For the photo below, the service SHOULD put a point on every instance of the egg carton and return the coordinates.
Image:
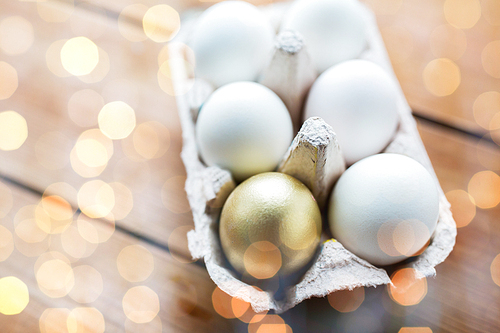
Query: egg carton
(314, 158)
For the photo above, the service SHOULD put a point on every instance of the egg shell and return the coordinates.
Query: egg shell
(333, 30)
(270, 224)
(244, 127)
(359, 100)
(232, 41)
(384, 208)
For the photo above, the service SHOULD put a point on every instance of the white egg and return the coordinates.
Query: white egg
(232, 41)
(384, 208)
(359, 100)
(244, 127)
(333, 30)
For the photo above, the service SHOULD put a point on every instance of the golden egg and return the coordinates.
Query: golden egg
(270, 224)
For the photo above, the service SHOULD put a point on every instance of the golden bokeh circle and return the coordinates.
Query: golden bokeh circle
(407, 288)
(54, 320)
(135, 263)
(16, 35)
(84, 106)
(14, 295)
(96, 199)
(441, 77)
(161, 23)
(495, 270)
(489, 58)
(116, 120)
(463, 207)
(347, 300)
(9, 81)
(484, 187)
(486, 108)
(13, 130)
(141, 304)
(79, 56)
(86, 320)
(462, 14)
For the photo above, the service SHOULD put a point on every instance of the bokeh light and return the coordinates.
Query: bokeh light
(55, 10)
(441, 77)
(407, 288)
(491, 11)
(484, 187)
(127, 26)
(96, 199)
(495, 270)
(88, 284)
(13, 130)
(54, 214)
(9, 82)
(100, 71)
(243, 310)
(16, 35)
(52, 150)
(161, 23)
(174, 196)
(415, 330)
(447, 41)
(14, 295)
(86, 320)
(26, 225)
(154, 326)
(222, 303)
(486, 108)
(124, 201)
(7, 200)
(54, 320)
(178, 241)
(6, 243)
(135, 263)
(79, 56)
(75, 245)
(489, 58)
(116, 120)
(55, 278)
(347, 300)
(151, 139)
(83, 163)
(462, 14)
(270, 324)
(84, 106)
(95, 231)
(141, 304)
(399, 237)
(463, 207)
(262, 260)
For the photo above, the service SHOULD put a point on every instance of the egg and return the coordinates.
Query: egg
(359, 100)
(232, 41)
(243, 127)
(333, 30)
(270, 224)
(384, 208)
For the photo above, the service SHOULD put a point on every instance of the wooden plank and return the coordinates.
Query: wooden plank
(102, 278)
(418, 32)
(42, 98)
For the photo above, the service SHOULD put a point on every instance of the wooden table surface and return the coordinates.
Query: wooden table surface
(93, 230)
